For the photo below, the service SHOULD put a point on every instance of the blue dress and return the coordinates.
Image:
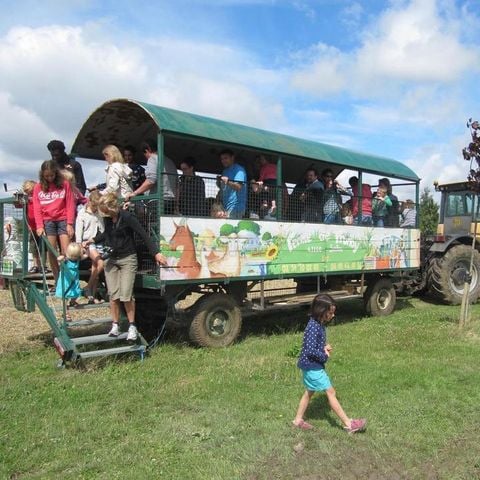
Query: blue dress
(68, 284)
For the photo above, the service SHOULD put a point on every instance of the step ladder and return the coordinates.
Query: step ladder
(71, 345)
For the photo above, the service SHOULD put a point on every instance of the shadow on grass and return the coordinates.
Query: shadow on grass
(260, 323)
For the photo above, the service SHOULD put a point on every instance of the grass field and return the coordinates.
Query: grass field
(226, 414)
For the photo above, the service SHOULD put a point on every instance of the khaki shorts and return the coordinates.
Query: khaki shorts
(120, 276)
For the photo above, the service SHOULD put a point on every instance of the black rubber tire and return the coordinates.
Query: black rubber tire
(380, 297)
(216, 322)
(446, 275)
(150, 316)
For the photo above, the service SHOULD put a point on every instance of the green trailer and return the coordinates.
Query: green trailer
(221, 269)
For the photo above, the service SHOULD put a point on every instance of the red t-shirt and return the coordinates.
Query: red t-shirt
(268, 172)
(55, 204)
(366, 200)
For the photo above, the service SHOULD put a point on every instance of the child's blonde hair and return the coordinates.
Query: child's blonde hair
(94, 198)
(28, 186)
(109, 201)
(217, 210)
(382, 190)
(115, 153)
(74, 251)
(68, 176)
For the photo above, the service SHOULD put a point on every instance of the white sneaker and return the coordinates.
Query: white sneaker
(132, 333)
(115, 330)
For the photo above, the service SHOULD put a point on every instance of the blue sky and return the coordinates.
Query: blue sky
(395, 78)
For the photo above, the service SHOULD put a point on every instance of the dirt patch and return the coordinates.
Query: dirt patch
(23, 331)
(20, 330)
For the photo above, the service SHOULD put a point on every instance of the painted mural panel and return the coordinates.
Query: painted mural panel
(215, 248)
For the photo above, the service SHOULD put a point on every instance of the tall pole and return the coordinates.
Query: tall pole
(471, 153)
(465, 307)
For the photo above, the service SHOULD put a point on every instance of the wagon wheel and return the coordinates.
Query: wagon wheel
(216, 322)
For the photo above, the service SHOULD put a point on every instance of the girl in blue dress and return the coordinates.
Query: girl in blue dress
(315, 353)
(68, 285)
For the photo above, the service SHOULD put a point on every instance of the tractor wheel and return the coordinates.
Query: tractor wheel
(217, 321)
(380, 297)
(447, 275)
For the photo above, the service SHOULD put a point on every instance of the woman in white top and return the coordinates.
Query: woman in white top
(119, 174)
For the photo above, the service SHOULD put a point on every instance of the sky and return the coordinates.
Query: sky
(394, 78)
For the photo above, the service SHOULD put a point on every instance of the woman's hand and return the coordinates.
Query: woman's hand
(40, 231)
(160, 259)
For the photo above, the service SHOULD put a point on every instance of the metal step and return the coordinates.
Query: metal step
(141, 349)
(88, 321)
(86, 306)
(90, 339)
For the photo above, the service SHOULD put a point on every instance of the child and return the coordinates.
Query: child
(88, 224)
(68, 285)
(118, 173)
(408, 214)
(315, 352)
(80, 198)
(346, 212)
(27, 188)
(217, 211)
(380, 205)
(54, 210)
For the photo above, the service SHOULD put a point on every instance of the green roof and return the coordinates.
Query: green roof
(129, 122)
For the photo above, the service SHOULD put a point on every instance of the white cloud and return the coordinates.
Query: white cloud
(54, 77)
(406, 45)
(352, 14)
(326, 75)
(415, 44)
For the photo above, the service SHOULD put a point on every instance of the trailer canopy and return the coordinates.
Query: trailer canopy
(127, 122)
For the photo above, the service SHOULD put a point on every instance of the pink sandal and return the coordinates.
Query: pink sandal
(303, 425)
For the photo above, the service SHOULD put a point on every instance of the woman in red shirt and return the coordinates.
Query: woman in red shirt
(54, 210)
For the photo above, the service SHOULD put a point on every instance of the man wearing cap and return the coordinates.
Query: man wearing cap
(57, 152)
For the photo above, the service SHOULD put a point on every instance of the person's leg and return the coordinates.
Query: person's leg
(336, 407)
(52, 239)
(97, 267)
(112, 275)
(128, 270)
(130, 310)
(115, 310)
(302, 406)
(64, 242)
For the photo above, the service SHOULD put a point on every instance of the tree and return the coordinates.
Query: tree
(428, 213)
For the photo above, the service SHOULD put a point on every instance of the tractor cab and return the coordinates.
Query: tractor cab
(457, 207)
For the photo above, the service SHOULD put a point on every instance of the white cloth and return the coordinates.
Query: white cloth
(87, 225)
(169, 180)
(119, 179)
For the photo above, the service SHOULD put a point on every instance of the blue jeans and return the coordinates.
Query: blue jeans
(365, 220)
(236, 214)
(330, 218)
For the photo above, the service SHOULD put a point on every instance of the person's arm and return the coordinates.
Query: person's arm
(80, 226)
(113, 180)
(146, 185)
(71, 208)
(238, 181)
(232, 184)
(388, 201)
(134, 224)
(37, 211)
(79, 177)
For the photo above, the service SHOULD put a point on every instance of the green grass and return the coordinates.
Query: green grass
(226, 414)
